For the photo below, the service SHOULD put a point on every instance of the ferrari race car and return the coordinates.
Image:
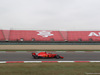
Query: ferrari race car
(45, 55)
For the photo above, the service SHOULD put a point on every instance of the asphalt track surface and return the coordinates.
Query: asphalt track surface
(68, 56)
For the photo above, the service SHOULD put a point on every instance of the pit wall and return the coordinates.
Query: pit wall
(49, 47)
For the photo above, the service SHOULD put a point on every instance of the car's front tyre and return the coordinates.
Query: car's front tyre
(57, 56)
(35, 57)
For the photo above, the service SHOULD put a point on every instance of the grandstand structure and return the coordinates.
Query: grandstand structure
(49, 36)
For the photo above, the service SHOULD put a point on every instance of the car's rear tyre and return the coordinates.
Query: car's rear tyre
(35, 57)
(57, 56)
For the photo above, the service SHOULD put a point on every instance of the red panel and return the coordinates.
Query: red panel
(6, 34)
(1, 36)
(18, 34)
(84, 35)
(47, 35)
(64, 35)
(37, 35)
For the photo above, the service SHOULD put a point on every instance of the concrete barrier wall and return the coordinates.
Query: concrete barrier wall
(50, 47)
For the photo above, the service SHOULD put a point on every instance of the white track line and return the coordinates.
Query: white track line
(49, 61)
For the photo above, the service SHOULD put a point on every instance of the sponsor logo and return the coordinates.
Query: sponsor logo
(45, 33)
(94, 34)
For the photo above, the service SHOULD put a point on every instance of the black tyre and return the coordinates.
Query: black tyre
(57, 56)
(35, 57)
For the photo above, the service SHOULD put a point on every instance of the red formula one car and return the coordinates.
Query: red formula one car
(45, 55)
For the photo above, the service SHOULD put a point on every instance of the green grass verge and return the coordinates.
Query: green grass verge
(49, 68)
(49, 50)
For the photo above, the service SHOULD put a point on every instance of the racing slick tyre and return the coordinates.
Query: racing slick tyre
(35, 57)
(57, 56)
